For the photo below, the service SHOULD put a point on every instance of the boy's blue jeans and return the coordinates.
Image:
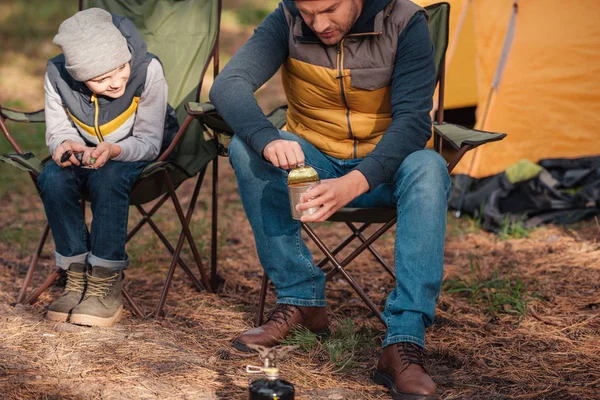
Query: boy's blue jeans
(419, 195)
(109, 187)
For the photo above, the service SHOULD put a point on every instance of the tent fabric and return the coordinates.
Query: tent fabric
(548, 95)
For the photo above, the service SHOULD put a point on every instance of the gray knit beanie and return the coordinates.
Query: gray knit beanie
(92, 44)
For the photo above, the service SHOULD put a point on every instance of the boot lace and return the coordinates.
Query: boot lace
(100, 287)
(282, 312)
(75, 282)
(410, 353)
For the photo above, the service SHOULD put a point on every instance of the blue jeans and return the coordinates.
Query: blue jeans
(109, 188)
(419, 194)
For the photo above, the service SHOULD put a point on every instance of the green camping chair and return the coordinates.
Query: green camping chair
(184, 35)
(458, 138)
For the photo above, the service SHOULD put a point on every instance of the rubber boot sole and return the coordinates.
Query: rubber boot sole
(92, 320)
(57, 316)
(387, 381)
(243, 347)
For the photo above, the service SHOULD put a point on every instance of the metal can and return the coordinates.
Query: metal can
(300, 180)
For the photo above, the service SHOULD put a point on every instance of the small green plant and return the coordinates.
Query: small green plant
(498, 293)
(341, 346)
(303, 338)
(512, 228)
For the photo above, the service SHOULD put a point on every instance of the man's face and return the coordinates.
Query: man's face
(330, 20)
(112, 84)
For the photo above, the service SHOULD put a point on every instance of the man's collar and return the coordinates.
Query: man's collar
(369, 21)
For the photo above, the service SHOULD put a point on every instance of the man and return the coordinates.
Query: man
(359, 77)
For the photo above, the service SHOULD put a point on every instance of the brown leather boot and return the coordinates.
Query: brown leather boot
(280, 322)
(400, 368)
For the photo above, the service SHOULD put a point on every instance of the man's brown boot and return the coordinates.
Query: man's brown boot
(102, 304)
(280, 322)
(400, 368)
(60, 309)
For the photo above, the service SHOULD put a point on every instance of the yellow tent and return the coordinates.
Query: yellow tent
(537, 78)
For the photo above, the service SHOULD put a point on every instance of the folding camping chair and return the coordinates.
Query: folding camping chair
(184, 35)
(460, 139)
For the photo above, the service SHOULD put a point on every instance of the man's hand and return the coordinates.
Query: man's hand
(101, 154)
(74, 147)
(285, 154)
(331, 195)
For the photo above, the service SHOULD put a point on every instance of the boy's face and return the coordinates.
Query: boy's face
(330, 20)
(112, 84)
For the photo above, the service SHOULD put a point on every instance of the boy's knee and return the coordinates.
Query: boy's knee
(53, 178)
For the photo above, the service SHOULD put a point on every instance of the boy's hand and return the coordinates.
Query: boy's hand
(68, 145)
(101, 154)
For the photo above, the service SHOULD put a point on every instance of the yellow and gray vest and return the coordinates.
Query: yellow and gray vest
(98, 118)
(339, 96)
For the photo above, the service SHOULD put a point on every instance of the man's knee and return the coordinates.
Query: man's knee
(428, 168)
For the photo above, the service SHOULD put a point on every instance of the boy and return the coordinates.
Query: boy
(106, 102)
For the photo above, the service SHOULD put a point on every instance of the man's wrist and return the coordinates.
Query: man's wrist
(358, 182)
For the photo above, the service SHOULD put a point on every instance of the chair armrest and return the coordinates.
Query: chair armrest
(17, 116)
(459, 136)
(25, 162)
(208, 114)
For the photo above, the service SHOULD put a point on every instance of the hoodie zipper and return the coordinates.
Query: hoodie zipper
(340, 77)
(94, 100)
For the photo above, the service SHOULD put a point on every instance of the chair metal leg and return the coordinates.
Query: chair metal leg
(169, 247)
(262, 300)
(339, 268)
(185, 221)
(214, 281)
(384, 228)
(34, 296)
(169, 278)
(182, 236)
(374, 252)
(343, 245)
(136, 308)
(34, 260)
(146, 216)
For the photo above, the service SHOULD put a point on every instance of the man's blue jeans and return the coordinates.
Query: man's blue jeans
(109, 188)
(419, 194)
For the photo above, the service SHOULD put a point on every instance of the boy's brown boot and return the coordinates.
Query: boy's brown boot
(102, 304)
(60, 309)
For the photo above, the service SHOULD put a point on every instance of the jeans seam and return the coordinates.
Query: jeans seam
(308, 263)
